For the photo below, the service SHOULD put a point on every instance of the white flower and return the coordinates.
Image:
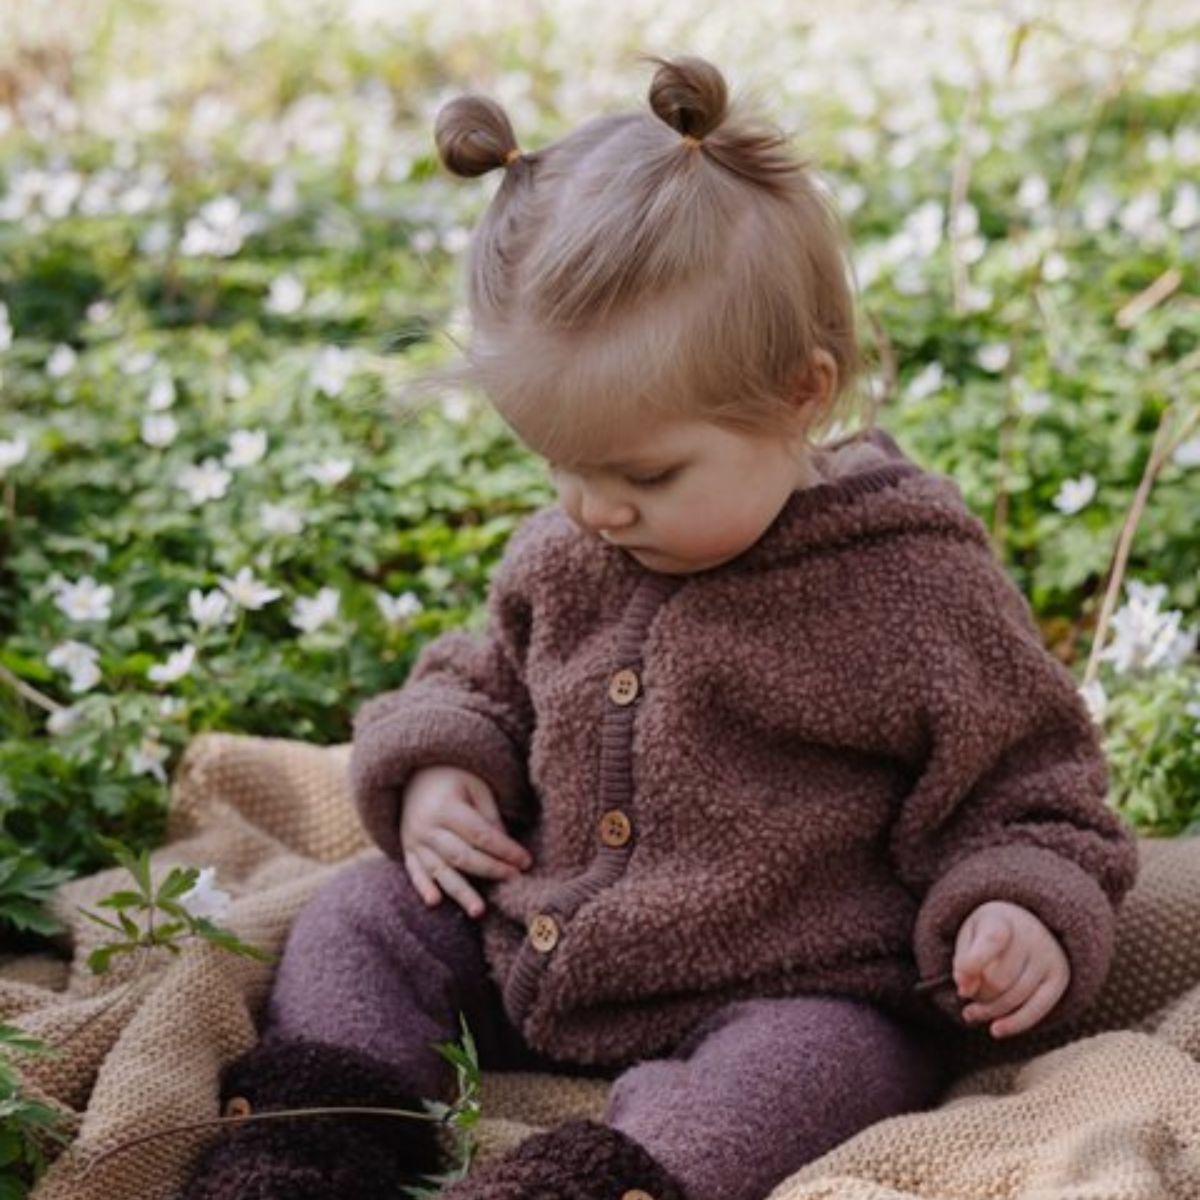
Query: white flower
(331, 370)
(1145, 638)
(61, 361)
(1075, 494)
(924, 226)
(176, 666)
(246, 591)
(162, 394)
(208, 481)
(159, 429)
(85, 600)
(396, 609)
(423, 241)
(99, 311)
(204, 899)
(1031, 401)
(456, 240)
(1033, 192)
(63, 720)
(237, 386)
(456, 407)
(6, 329)
(994, 356)
(1098, 210)
(246, 447)
(280, 519)
(140, 363)
(1186, 211)
(330, 471)
(148, 759)
(219, 228)
(1187, 454)
(310, 613)
(1140, 216)
(1055, 267)
(13, 452)
(209, 611)
(79, 661)
(287, 295)
(977, 299)
(926, 382)
(1096, 700)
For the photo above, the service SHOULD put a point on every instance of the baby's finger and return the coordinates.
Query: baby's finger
(425, 886)
(987, 942)
(455, 886)
(1010, 999)
(1039, 1004)
(481, 797)
(460, 854)
(475, 830)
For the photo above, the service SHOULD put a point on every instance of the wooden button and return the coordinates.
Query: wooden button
(636, 1194)
(623, 687)
(615, 828)
(237, 1106)
(543, 933)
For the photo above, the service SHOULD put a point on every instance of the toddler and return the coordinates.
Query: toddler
(758, 777)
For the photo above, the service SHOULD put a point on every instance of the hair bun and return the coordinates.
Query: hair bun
(473, 135)
(689, 94)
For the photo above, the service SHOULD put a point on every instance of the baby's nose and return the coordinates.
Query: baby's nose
(599, 514)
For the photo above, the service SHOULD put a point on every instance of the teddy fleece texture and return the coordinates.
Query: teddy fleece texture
(828, 751)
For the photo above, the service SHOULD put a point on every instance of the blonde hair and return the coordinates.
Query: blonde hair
(675, 263)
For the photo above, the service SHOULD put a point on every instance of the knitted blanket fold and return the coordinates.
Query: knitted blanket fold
(1106, 1107)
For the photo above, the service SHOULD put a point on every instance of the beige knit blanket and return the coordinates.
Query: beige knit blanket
(1109, 1110)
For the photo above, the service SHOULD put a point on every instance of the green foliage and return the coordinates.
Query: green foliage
(144, 902)
(25, 884)
(463, 1115)
(1154, 723)
(27, 1127)
(28, 1124)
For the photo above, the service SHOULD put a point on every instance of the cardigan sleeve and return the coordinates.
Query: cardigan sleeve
(1011, 801)
(464, 704)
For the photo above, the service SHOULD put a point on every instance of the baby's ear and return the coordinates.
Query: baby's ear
(817, 383)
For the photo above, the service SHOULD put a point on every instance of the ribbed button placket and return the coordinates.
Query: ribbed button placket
(549, 928)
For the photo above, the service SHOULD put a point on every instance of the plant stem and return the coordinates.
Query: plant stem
(268, 1116)
(1164, 446)
(31, 694)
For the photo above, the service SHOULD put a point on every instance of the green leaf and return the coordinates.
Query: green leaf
(178, 881)
(121, 900)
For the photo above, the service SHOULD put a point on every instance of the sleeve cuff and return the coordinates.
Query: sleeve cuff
(1064, 897)
(385, 753)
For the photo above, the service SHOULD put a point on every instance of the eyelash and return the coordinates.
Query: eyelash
(654, 479)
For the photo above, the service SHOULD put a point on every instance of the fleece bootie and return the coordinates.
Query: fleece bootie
(578, 1160)
(313, 1157)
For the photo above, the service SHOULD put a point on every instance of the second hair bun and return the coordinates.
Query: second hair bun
(689, 94)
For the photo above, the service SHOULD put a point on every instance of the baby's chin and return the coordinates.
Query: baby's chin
(670, 564)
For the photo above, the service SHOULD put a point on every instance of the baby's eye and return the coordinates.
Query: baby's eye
(652, 480)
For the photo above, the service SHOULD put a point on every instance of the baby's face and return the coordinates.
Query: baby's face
(683, 495)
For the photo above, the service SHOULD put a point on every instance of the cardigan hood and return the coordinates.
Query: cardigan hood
(797, 771)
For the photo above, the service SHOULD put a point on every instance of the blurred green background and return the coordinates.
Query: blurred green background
(225, 246)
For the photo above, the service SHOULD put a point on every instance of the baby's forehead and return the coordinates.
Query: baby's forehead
(630, 445)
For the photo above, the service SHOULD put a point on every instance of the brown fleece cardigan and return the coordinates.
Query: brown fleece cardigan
(798, 771)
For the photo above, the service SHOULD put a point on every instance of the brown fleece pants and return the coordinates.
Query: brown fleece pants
(752, 1093)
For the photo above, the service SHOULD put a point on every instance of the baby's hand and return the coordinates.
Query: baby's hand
(449, 826)
(1010, 965)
